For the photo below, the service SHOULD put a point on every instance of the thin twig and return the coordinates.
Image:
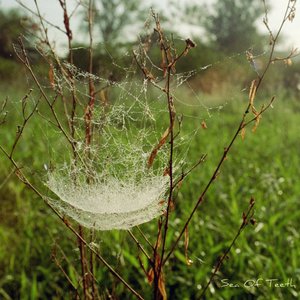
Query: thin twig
(144, 237)
(39, 16)
(246, 218)
(139, 245)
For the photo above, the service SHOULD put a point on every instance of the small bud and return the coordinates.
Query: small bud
(203, 125)
(190, 43)
(288, 62)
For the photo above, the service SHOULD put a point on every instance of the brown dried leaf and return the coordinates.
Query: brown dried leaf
(163, 63)
(291, 16)
(172, 205)
(166, 171)
(252, 92)
(203, 125)
(159, 239)
(162, 286)
(158, 146)
(161, 202)
(150, 276)
(243, 133)
(257, 120)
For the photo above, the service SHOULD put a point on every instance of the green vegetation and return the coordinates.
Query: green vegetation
(264, 165)
(40, 258)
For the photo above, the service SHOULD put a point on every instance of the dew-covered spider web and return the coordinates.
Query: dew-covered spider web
(109, 183)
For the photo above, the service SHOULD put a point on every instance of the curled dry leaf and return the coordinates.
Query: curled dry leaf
(163, 63)
(159, 237)
(161, 280)
(257, 120)
(162, 286)
(51, 76)
(167, 171)
(291, 16)
(243, 132)
(150, 276)
(158, 146)
(252, 93)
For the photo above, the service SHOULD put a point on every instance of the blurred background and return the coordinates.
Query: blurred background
(216, 76)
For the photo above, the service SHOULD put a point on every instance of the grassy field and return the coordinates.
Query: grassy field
(265, 166)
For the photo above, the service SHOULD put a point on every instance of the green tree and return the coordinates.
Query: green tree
(12, 25)
(116, 25)
(10, 29)
(114, 19)
(232, 24)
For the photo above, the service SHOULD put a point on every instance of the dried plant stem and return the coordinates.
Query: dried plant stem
(67, 75)
(171, 120)
(25, 120)
(95, 294)
(83, 263)
(140, 246)
(90, 107)
(144, 237)
(27, 64)
(39, 16)
(169, 59)
(65, 274)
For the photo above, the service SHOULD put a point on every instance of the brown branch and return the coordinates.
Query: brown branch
(88, 114)
(140, 246)
(186, 173)
(58, 264)
(27, 64)
(39, 16)
(67, 75)
(144, 237)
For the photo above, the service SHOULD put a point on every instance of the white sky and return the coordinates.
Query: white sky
(51, 10)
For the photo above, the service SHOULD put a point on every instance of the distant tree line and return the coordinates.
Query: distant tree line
(228, 26)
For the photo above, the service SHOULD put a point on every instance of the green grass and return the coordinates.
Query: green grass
(265, 166)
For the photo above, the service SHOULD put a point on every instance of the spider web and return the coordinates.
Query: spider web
(113, 187)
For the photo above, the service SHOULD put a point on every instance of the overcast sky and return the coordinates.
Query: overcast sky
(52, 11)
